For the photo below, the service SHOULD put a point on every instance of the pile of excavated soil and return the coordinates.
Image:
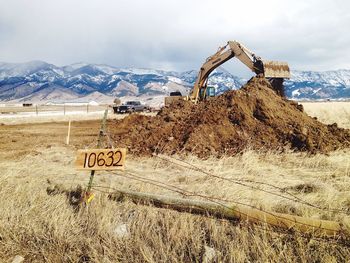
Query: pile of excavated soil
(253, 117)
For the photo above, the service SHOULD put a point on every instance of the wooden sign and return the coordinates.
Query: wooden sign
(100, 159)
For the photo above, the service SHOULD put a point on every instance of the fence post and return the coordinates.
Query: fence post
(68, 135)
(36, 109)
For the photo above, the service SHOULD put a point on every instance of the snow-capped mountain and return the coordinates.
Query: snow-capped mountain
(319, 85)
(39, 81)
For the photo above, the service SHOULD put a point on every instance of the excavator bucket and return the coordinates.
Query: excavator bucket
(276, 69)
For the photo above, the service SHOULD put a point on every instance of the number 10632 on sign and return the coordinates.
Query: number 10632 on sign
(100, 159)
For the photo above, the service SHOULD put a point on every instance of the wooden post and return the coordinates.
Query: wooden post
(68, 135)
(316, 227)
(64, 109)
(36, 109)
(87, 108)
(99, 141)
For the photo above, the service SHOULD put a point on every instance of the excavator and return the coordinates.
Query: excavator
(274, 71)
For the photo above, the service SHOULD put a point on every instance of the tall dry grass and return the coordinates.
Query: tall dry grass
(46, 228)
(330, 112)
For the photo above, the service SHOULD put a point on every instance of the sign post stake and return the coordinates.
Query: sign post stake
(99, 142)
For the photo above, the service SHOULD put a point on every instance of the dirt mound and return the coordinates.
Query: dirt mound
(254, 117)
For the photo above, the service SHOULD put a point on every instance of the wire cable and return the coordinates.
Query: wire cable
(239, 182)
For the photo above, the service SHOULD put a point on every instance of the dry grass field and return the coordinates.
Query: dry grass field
(46, 228)
(330, 112)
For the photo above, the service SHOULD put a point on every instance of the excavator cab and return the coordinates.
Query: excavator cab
(208, 92)
(211, 92)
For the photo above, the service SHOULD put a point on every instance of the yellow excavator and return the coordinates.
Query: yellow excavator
(274, 71)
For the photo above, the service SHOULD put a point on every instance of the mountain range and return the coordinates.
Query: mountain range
(38, 81)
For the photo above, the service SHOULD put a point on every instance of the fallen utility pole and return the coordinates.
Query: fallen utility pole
(315, 227)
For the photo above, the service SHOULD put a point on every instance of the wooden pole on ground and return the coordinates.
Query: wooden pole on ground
(68, 135)
(316, 227)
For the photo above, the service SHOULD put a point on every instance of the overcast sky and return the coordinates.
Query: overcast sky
(175, 34)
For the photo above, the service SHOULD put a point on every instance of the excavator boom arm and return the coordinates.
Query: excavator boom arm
(212, 63)
(270, 69)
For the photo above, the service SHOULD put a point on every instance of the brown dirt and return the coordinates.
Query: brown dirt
(17, 141)
(253, 117)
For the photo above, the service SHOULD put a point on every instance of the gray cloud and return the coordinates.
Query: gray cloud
(175, 35)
